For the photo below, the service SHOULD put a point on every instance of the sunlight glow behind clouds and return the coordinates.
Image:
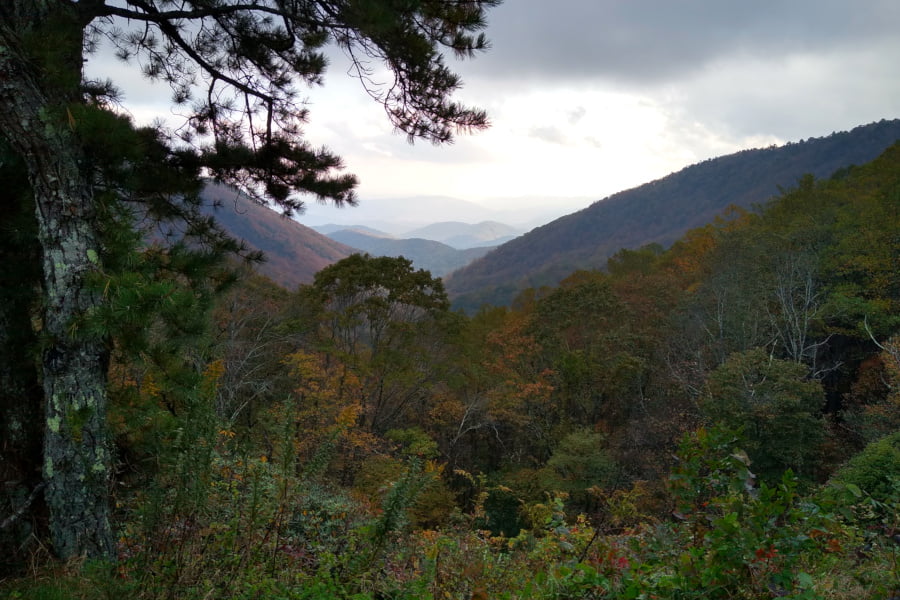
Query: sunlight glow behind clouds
(590, 97)
(563, 142)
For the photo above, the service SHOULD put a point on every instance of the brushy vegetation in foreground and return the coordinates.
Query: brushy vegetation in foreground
(250, 528)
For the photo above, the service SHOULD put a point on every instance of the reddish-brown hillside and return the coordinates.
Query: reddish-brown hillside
(293, 252)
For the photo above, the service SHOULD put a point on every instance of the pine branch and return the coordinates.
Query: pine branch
(159, 16)
(171, 32)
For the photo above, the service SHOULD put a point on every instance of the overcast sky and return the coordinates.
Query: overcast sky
(589, 97)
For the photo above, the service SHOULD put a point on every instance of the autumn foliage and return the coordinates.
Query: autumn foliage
(676, 426)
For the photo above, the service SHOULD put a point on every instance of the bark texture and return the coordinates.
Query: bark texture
(37, 123)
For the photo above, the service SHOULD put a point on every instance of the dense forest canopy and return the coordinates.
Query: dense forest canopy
(678, 424)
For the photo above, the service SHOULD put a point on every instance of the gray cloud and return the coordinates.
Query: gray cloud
(647, 41)
(808, 96)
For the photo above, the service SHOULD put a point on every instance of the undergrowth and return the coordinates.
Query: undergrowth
(268, 529)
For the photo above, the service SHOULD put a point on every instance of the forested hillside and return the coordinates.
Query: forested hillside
(659, 212)
(292, 252)
(714, 420)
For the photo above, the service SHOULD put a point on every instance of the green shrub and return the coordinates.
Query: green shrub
(874, 470)
(579, 463)
(731, 539)
(775, 406)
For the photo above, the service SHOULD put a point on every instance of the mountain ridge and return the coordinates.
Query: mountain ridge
(658, 212)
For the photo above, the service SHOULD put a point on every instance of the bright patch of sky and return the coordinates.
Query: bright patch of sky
(590, 97)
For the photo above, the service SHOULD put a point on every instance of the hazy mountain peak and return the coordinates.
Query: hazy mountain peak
(362, 229)
(464, 235)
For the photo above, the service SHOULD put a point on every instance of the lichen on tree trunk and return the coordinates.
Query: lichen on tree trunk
(76, 461)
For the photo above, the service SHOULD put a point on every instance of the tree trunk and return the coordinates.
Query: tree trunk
(36, 123)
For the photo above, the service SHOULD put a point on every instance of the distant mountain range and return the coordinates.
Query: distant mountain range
(456, 234)
(463, 235)
(402, 216)
(294, 253)
(333, 227)
(660, 211)
(433, 256)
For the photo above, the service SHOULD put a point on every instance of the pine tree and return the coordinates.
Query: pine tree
(235, 64)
